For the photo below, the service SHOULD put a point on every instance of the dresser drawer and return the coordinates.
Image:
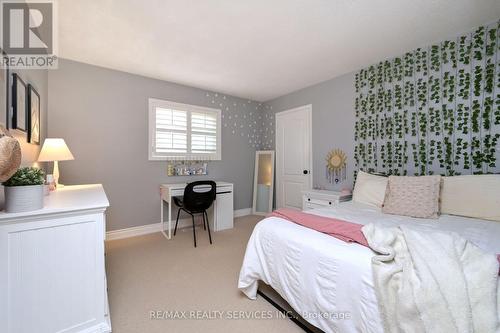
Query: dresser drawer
(320, 199)
(310, 203)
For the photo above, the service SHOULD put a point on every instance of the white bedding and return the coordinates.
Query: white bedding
(327, 281)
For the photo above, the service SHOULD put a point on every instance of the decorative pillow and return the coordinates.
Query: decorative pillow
(413, 196)
(369, 189)
(475, 196)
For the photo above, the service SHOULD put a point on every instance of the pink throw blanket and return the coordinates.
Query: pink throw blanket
(343, 230)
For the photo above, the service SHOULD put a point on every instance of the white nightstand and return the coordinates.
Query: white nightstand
(322, 198)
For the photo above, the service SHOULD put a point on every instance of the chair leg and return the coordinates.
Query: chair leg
(204, 223)
(194, 232)
(177, 221)
(208, 225)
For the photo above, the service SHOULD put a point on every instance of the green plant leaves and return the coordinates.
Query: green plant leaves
(432, 110)
(25, 177)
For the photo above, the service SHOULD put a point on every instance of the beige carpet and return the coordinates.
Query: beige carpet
(150, 273)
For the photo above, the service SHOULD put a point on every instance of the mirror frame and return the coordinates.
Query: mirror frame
(271, 190)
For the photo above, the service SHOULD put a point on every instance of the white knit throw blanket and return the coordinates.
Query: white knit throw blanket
(433, 281)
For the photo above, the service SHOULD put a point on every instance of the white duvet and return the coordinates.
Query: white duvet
(327, 281)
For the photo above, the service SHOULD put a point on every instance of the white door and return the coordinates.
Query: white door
(293, 156)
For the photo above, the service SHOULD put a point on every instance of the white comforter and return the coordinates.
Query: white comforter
(329, 282)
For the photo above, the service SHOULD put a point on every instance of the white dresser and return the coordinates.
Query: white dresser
(322, 198)
(52, 274)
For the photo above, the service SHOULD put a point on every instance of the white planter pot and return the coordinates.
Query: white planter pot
(23, 198)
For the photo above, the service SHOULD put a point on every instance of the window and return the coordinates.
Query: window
(182, 131)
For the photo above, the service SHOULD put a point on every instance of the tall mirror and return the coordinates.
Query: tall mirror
(263, 185)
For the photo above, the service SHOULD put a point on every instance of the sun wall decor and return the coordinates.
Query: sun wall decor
(336, 166)
(434, 110)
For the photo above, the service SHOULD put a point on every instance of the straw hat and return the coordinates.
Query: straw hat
(10, 155)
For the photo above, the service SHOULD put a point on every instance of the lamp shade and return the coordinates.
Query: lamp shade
(55, 150)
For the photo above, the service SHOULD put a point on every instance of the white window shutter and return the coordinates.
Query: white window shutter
(203, 132)
(171, 131)
(181, 131)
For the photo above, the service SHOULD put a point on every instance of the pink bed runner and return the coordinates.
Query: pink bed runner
(343, 230)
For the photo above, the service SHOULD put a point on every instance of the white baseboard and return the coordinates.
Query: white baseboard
(156, 227)
(243, 212)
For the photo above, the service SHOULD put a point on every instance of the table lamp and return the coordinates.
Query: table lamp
(55, 150)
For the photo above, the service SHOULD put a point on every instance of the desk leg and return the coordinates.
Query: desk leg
(170, 218)
(169, 236)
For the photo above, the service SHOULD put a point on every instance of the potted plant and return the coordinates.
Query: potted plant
(24, 190)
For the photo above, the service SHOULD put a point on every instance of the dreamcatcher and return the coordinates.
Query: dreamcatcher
(336, 166)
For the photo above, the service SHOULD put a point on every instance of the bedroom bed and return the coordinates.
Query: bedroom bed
(327, 281)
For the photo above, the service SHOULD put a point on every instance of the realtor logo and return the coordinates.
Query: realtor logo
(27, 34)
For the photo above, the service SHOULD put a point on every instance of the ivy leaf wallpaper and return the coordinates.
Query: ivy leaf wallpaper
(435, 110)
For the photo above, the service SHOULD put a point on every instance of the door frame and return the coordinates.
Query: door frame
(278, 115)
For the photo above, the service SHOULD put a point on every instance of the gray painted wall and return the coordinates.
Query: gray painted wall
(332, 123)
(38, 78)
(103, 116)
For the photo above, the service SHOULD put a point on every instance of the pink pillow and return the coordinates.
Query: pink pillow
(413, 196)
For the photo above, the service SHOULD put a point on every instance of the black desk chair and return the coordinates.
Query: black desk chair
(197, 201)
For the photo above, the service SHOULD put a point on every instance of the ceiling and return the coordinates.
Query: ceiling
(256, 49)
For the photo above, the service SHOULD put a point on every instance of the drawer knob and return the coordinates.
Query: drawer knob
(308, 199)
(330, 203)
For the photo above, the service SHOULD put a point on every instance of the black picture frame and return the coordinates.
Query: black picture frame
(19, 106)
(33, 107)
(5, 118)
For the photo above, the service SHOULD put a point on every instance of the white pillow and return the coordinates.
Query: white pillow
(369, 189)
(475, 196)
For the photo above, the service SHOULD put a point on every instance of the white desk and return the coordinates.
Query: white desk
(220, 215)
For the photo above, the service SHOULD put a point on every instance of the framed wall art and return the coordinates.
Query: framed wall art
(4, 96)
(33, 115)
(19, 114)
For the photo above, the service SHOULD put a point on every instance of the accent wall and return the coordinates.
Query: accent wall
(434, 110)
